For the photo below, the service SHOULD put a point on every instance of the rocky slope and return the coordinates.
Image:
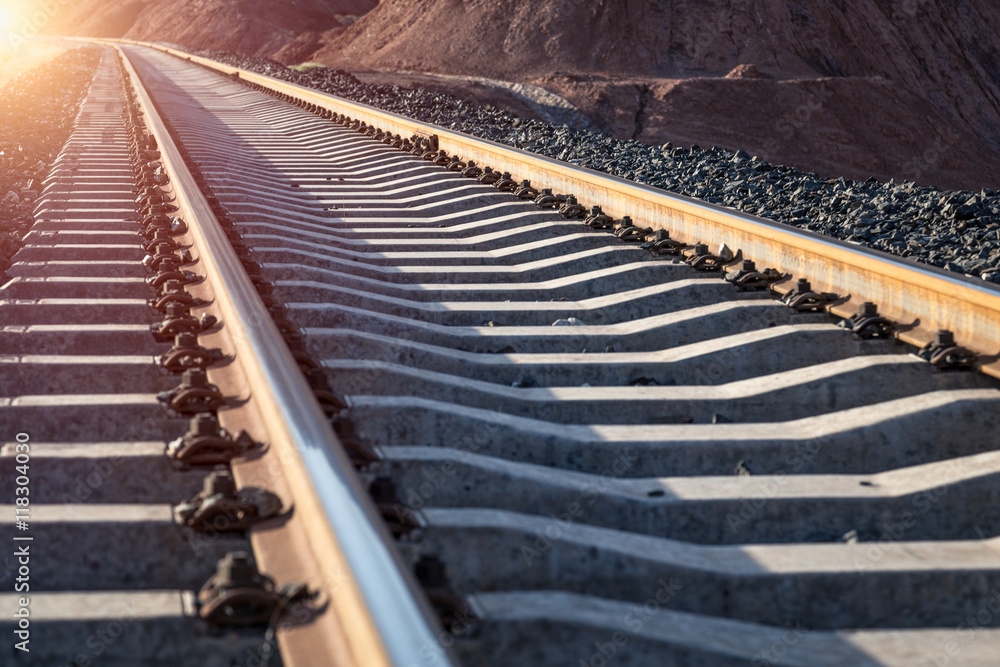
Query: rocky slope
(893, 88)
(904, 89)
(253, 27)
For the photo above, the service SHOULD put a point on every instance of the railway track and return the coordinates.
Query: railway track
(495, 432)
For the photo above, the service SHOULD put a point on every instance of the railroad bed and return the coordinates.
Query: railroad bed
(109, 571)
(587, 453)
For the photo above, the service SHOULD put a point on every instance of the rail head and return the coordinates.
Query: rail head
(378, 614)
(922, 299)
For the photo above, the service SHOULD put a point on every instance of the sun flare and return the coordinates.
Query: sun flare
(22, 42)
(9, 13)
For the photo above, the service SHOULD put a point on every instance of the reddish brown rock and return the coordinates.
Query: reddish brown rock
(746, 72)
(891, 88)
(905, 89)
(251, 27)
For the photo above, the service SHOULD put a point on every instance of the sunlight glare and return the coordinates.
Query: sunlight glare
(8, 16)
(22, 47)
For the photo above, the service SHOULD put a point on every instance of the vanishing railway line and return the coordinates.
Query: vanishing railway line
(466, 423)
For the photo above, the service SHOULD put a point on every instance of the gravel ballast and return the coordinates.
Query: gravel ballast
(955, 230)
(37, 110)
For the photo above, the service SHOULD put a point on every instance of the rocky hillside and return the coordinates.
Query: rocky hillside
(904, 89)
(252, 27)
(893, 88)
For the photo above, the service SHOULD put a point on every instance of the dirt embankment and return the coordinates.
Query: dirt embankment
(905, 89)
(252, 27)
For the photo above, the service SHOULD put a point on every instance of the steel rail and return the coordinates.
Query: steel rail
(383, 616)
(922, 299)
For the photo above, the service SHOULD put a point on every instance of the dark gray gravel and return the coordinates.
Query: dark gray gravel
(959, 231)
(37, 110)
